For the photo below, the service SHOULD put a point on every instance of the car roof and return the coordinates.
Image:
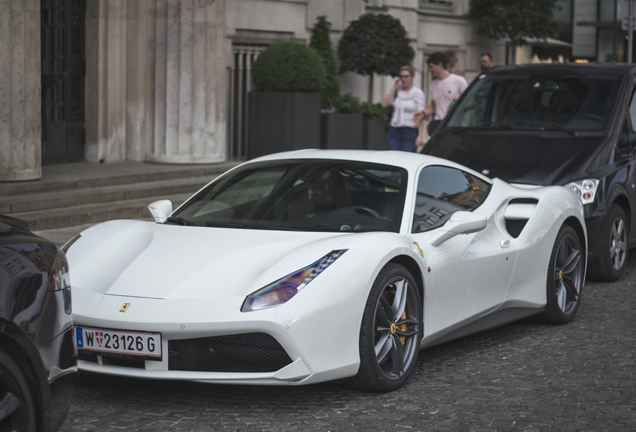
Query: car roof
(407, 160)
(578, 68)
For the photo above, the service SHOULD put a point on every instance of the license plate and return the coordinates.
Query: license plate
(140, 344)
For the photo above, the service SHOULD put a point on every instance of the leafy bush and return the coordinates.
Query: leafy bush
(321, 42)
(376, 111)
(288, 67)
(348, 104)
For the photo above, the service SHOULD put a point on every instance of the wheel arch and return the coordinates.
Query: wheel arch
(411, 265)
(623, 202)
(580, 231)
(27, 359)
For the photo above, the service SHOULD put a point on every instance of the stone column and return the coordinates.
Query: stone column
(156, 81)
(190, 84)
(106, 70)
(20, 90)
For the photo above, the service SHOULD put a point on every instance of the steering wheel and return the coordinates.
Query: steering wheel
(366, 211)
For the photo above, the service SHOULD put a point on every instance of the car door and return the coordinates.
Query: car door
(626, 149)
(470, 272)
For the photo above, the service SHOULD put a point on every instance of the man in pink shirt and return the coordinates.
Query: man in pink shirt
(445, 89)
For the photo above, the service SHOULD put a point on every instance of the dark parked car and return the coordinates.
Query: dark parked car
(567, 124)
(38, 359)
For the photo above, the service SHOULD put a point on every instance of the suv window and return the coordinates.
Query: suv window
(541, 101)
(441, 191)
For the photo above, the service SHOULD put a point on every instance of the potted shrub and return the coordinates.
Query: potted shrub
(341, 121)
(284, 109)
(376, 120)
(343, 129)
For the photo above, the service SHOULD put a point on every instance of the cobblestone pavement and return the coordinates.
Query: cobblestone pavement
(519, 377)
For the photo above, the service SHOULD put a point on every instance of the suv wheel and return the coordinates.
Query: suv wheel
(610, 262)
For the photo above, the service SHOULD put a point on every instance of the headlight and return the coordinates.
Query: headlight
(284, 289)
(584, 189)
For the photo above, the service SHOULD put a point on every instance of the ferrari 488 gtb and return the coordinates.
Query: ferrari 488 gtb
(315, 265)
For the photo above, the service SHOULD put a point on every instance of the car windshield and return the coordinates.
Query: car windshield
(303, 195)
(543, 101)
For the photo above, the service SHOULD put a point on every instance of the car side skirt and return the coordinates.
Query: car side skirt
(495, 319)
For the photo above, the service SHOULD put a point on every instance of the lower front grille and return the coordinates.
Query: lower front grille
(250, 352)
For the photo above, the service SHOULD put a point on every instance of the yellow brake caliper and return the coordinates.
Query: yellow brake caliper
(402, 328)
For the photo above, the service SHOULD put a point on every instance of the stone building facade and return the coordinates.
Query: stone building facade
(165, 80)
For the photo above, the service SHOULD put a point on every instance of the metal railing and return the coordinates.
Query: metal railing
(239, 86)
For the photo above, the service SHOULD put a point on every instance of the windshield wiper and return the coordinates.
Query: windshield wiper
(541, 125)
(230, 224)
(180, 221)
(561, 128)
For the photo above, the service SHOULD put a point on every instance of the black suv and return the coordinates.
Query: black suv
(556, 124)
(38, 358)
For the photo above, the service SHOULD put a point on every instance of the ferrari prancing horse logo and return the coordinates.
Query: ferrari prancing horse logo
(124, 308)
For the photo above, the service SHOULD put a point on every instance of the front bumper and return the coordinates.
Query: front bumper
(318, 334)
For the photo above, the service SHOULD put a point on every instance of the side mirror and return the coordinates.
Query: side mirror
(160, 210)
(460, 222)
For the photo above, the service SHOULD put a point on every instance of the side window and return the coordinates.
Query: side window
(632, 112)
(441, 191)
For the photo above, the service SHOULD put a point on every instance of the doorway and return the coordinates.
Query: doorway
(63, 71)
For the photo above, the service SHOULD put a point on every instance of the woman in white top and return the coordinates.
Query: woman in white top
(406, 100)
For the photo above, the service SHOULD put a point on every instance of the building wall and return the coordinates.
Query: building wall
(20, 90)
(156, 70)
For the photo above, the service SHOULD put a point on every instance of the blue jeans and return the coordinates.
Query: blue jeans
(402, 138)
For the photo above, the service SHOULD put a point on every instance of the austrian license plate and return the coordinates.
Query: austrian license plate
(141, 344)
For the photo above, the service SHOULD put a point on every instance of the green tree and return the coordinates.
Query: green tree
(374, 44)
(514, 19)
(321, 42)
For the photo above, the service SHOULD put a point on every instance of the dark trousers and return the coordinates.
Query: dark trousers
(402, 138)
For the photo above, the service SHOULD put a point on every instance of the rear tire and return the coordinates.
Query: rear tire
(17, 410)
(565, 278)
(390, 333)
(613, 249)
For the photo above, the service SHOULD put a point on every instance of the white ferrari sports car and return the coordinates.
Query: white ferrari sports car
(312, 265)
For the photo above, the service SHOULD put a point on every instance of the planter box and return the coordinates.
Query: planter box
(341, 131)
(282, 121)
(375, 136)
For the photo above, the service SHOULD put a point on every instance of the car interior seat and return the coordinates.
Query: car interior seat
(320, 196)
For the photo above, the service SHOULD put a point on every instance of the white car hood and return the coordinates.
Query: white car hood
(148, 260)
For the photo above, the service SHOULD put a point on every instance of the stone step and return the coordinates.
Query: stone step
(83, 193)
(81, 197)
(58, 178)
(95, 213)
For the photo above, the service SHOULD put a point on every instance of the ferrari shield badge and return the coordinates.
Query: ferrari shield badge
(419, 249)
(124, 308)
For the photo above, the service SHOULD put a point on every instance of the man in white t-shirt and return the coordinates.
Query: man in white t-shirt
(445, 89)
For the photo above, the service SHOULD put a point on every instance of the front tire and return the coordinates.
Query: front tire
(613, 249)
(17, 410)
(390, 333)
(565, 278)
